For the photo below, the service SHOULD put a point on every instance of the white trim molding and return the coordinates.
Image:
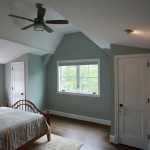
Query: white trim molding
(113, 139)
(79, 117)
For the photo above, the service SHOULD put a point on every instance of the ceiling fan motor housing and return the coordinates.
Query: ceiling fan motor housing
(39, 24)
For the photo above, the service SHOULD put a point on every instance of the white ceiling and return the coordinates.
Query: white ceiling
(103, 21)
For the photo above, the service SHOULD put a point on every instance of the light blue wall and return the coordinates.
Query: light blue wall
(78, 46)
(37, 76)
(41, 79)
(2, 84)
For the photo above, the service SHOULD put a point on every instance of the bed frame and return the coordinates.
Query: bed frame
(27, 105)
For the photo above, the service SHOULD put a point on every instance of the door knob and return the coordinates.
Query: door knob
(21, 93)
(121, 105)
(121, 109)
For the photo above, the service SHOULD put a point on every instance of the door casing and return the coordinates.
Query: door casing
(116, 93)
(12, 64)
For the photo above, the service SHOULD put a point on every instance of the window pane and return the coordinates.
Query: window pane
(84, 71)
(89, 85)
(84, 84)
(68, 71)
(65, 84)
(65, 71)
(88, 70)
(68, 84)
(93, 85)
(73, 84)
(93, 70)
(89, 78)
(68, 78)
(73, 71)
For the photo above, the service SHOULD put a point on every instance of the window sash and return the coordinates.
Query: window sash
(78, 63)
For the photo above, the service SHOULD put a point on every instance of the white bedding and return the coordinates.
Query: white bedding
(18, 127)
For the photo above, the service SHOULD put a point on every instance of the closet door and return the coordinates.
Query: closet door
(133, 101)
(18, 81)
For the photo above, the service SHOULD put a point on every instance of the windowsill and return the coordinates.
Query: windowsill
(78, 94)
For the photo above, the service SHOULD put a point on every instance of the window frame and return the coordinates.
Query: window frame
(78, 61)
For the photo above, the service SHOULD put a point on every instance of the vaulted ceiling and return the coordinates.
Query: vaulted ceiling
(103, 21)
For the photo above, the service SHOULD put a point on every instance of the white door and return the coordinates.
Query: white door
(133, 101)
(18, 81)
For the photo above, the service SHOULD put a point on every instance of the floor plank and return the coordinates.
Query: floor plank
(93, 136)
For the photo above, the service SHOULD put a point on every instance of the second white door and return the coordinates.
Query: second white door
(133, 104)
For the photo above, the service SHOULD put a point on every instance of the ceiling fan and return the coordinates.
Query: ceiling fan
(39, 23)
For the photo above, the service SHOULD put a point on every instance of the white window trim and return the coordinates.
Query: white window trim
(77, 93)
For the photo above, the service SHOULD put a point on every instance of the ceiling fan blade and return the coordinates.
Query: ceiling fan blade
(41, 12)
(29, 26)
(57, 21)
(20, 17)
(48, 29)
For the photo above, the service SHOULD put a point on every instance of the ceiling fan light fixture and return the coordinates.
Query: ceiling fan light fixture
(39, 27)
(128, 31)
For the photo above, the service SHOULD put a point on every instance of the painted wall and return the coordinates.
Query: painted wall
(41, 79)
(37, 76)
(2, 84)
(78, 46)
(24, 59)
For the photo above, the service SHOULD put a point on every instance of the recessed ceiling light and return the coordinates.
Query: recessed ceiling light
(128, 31)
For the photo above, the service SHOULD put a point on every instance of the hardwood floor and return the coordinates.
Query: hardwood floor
(93, 136)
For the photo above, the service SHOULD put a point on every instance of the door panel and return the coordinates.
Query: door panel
(18, 82)
(131, 119)
(133, 123)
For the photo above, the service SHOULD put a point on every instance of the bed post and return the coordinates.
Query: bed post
(48, 121)
(6, 104)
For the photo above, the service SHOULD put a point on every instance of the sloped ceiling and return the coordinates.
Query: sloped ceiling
(103, 21)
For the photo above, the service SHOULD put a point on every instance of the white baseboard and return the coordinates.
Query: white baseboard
(79, 117)
(113, 139)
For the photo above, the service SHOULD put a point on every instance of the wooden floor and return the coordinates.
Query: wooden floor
(93, 136)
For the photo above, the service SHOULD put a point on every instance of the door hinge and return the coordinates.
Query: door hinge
(12, 88)
(148, 137)
(147, 64)
(12, 68)
(148, 100)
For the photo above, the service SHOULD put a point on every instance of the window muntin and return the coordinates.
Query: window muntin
(79, 77)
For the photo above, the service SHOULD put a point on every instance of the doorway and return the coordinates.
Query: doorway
(17, 82)
(131, 100)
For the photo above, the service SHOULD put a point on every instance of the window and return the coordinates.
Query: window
(79, 77)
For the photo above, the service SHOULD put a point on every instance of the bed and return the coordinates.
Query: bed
(19, 126)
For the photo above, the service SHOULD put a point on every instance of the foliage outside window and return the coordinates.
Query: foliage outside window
(79, 77)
